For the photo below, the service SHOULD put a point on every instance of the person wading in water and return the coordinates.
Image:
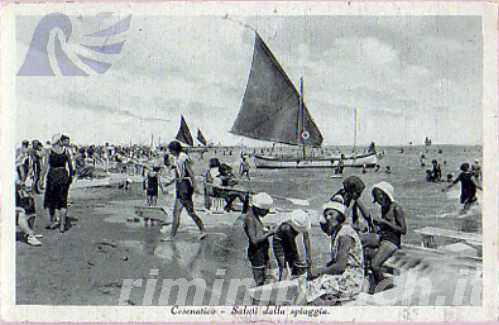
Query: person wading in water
(185, 185)
(468, 187)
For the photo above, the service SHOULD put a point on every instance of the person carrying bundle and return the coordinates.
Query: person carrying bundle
(228, 179)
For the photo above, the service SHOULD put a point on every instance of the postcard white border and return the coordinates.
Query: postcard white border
(488, 12)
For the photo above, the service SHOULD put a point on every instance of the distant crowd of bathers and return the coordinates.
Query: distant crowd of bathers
(50, 168)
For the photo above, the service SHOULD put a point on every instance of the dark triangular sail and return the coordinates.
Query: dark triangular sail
(271, 104)
(184, 134)
(201, 138)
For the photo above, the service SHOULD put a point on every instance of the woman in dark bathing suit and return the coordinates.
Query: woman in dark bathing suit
(391, 225)
(59, 178)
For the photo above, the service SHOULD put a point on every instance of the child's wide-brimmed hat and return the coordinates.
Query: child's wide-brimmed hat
(386, 188)
(332, 205)
(300, 221)
(262, 201)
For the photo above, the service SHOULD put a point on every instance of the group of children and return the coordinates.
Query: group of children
(360, 243)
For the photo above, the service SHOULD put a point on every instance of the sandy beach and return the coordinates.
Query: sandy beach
(89, 263)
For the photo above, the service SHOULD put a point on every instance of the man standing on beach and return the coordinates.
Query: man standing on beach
(185, 185)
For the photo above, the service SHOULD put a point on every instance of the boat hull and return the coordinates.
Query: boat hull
(91, 183)
(369, 160)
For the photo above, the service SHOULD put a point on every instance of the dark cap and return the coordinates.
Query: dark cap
(175, 146)
(353, 184)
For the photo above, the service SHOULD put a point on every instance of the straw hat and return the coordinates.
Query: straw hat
(262, 201)
(300, 221)
(386, 188)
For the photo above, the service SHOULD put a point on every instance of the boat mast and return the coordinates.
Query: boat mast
(300, 120)
(354, 150)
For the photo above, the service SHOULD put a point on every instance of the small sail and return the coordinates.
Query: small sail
(201, 138)
(271, 104)
(184, 134)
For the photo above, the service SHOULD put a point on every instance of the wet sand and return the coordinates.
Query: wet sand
(88, 263)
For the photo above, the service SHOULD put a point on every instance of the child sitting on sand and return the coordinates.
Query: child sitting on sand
(25, 202)
(341, 278)
(391, 224)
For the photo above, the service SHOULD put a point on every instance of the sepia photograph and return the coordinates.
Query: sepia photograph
(251, 164)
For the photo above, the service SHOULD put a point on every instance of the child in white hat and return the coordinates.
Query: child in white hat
(392, 226)
(258, 236)
(284, 243)
(343, 276)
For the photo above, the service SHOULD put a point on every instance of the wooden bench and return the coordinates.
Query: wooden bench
(218, 202)
(429, 234)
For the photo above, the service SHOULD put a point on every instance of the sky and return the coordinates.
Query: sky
(408, 77)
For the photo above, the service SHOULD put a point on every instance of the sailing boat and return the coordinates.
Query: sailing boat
(184, 134)
(200, 137)
(273, 110)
